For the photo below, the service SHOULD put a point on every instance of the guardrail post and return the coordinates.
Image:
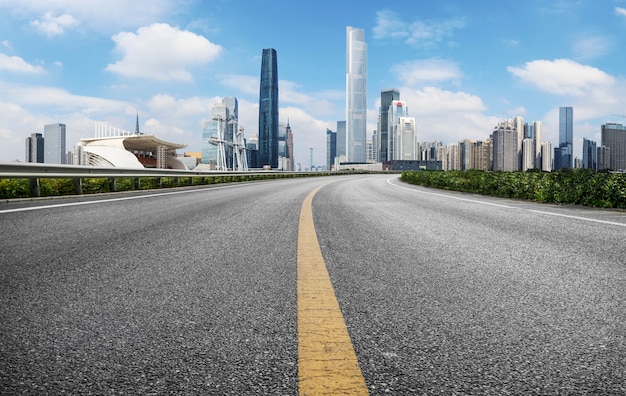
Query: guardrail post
(159, 182)
(33, 186)
(112, 184)
(78, 186)
(137, 183)
(177, 181)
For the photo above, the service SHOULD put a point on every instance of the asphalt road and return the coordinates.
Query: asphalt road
(194, 292)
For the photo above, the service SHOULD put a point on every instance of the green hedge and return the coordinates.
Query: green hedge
(19, 188)
(567, 186)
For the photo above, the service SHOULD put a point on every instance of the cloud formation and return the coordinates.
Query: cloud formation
(417, 72)
(620, 11)
(52, 25)
(563, 77)
(389, 25)
(19, 65)
(592, 47)
(161, 52)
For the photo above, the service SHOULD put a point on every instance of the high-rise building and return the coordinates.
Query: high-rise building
(34, 148)
(331, 148)
(268, 109)
(356, 95)
(505, 152)
(614, 138)
(546, 156)
(603, 157)
(213, 142)
(407, 147)
(375, 147)
(285, 147)
(289, 139)
(54, 147)
(518, 123)
(397, 109)
(386, 97)
(537, 126)
(528, 154)
(563, 155)
(590, 154)
(466, 157)
(341, 141)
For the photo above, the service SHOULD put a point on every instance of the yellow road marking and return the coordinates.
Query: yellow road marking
(327, 364)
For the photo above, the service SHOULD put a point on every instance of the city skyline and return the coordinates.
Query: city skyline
(67, 62)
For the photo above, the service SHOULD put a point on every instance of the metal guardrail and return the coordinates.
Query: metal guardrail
(35, 171)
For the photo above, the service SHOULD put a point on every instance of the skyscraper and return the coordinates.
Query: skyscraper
(537, 138)
(341, 140)
(231, 126)
(386, 97)
(331, 148)
(268, 109)
(505, 152)
(397, 109)
(614, 139)
(406, 139)
(590, 153)
(34, 148)
(563, 157)
(54, 147)
(356, 98)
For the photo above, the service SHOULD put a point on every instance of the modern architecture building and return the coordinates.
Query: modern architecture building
(505, 151)
(546, 156)
(356, 95)
(268, 109)
(386, 97)
(406, 145)
(528, 154)
(537, 132)
(231, 127)
(603, 157)
(614, 138)
(397, 110)
(54, 147)
(34, 150)
(341, 142)
(563, 155)
(375, 157)
(590, 154)
(331, 148)
(518, 123)
(213, 140)
(285, 147)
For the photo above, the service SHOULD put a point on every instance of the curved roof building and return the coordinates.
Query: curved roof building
(131, 151)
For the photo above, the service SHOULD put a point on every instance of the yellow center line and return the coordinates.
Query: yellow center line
(327, 364)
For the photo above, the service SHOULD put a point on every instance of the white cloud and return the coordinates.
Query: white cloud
(389, 25)
(96, 15)
(17, 64)
(245, 84)
(563, 77)
(416, 72)
(6, 44)
(620, 11)
(448, 116)
(161, 52)
(52, 26)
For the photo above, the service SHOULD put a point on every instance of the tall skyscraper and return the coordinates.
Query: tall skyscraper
(590, 154)
(614, 139)
(505, 152)
(397, 109)
(54, 147)
(563, 157)
(268, 109)
(518, 123)
(341, 140)
(356, 98)
(34, 148)
(386, 97)
(331, 148)
(406, 139)
(537, 125)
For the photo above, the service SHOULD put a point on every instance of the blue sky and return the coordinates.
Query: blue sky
(461, 66)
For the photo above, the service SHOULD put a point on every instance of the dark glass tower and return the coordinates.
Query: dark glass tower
(268, 110)
(386, 97)
(563, 157)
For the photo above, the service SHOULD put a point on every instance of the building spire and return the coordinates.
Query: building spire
(137, 124)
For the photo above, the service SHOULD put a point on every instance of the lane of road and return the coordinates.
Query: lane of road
(196, 291)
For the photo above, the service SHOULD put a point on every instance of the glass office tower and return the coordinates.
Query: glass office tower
(386, 97)
(563, 157)
(34, 148)
(54, 146)
(356, 98)
(268, 110)
(614, 139)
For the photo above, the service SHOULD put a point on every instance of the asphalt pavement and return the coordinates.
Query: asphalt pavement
(193, 291)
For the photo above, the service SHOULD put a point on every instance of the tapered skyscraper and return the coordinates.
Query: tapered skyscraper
(356, 100)
(268, 110)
